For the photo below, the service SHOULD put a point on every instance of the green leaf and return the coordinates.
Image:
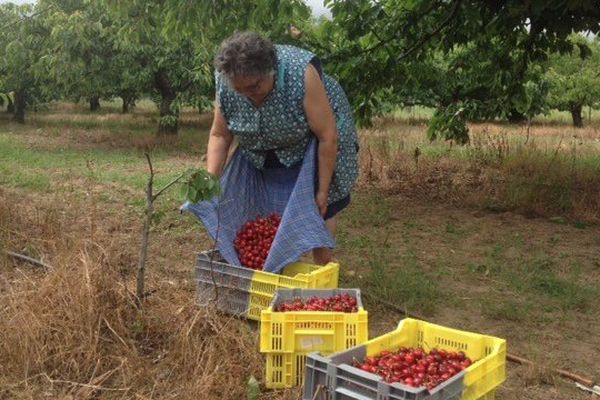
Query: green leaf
(253, 389)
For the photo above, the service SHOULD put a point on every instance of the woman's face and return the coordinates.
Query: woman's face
(256, 88)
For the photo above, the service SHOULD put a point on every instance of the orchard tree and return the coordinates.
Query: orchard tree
(175, 42)
(382, 43)
(575, 78)
(81, 61)
(84, 61)
(23, 42)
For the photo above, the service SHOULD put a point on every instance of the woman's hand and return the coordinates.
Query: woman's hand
(321, 200)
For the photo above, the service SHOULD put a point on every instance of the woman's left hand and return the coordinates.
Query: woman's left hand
(321, 200)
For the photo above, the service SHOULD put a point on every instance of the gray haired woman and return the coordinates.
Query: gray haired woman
(275, 99)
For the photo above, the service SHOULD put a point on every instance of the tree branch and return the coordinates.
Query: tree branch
(30, 260)
(420, 43)
(429, 36)
(145, 234)
(168, 185)
(150, 166)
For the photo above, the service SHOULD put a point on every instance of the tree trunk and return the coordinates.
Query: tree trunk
(128, 103)
(515, 117)
(125, 107)
(94, 103)
(19, 106)
(576, 114)
(169, 118)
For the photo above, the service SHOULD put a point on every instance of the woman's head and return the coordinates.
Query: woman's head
(248, 61)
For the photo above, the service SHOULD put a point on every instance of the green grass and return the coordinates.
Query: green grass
(45, 170)
(27, 179)
(368, 209)
(401, 280)
(345, 239)
(454, 230)
(507, 310)
(535, 278)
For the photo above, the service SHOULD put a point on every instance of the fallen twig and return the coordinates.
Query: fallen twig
(85, 385)
(30, 260)
(565, 374)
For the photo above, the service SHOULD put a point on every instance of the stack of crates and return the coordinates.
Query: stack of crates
(288, 337)
(245, 292)
(337, 376)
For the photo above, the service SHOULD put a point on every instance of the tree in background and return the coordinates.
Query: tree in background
(575, 78)
(175, 42)
(87, 60)
(383, 42)
(23, 43)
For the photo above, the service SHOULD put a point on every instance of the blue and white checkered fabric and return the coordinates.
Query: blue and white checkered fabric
(249, 192)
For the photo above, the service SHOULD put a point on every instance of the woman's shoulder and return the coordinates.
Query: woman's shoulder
(293, 55)
(332, 86)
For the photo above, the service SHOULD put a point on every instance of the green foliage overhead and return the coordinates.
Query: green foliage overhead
(449, 123)
(209, 22)
(436, 51)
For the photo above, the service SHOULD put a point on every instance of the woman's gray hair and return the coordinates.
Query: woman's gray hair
(246, 54)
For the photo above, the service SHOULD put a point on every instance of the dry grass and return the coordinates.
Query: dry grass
(555, 172)
(74, 331)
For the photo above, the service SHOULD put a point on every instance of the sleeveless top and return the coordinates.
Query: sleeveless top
(280, 123)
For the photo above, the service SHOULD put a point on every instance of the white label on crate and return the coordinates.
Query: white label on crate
(311, 342)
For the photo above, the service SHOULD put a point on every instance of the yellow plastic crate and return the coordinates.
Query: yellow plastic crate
(296, 275)
(308, 331)
(481, 378)
(245, 292)
(488, 396)
(287, 337)
(285, 370)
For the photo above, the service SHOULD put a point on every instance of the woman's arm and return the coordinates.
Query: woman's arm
(218, 144)
(322, 123)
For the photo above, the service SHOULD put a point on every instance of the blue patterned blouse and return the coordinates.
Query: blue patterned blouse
(280, 123)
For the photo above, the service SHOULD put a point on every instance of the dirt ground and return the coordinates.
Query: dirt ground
(532, 281)
(570, 341)
(558, 341)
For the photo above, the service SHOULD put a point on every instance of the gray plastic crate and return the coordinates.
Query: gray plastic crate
(334, 378)
(283, 295)
(233, 284)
